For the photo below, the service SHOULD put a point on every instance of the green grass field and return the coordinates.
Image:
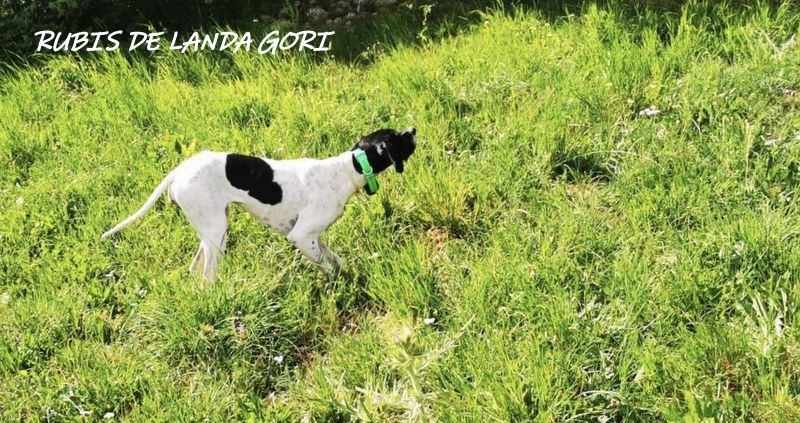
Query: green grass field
(583, 260)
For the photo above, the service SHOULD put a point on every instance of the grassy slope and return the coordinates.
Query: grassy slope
(579, 259)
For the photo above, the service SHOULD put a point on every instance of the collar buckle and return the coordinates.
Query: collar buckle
(366, 169)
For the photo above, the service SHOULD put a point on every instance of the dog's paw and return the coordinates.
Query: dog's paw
(327, 266)
(340, 263)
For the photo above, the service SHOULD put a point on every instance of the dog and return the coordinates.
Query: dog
(298, 198)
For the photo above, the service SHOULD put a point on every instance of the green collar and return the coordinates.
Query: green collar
(366, 169)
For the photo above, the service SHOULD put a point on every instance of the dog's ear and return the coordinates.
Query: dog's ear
(412, 130)
(398, 165)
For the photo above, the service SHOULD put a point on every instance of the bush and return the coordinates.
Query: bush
(20, 19)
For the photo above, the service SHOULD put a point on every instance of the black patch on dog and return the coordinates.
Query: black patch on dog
(253, 175)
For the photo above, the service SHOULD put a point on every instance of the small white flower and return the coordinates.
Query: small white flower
(20, 201)
(429, 320)
(108, 415)
(140, 291)
(779, 325)
(5, 298)
(769, 142)
(668, 260)
(649, 112)
(401, 333)
(738, 249)
(588, 307)
(278, 359)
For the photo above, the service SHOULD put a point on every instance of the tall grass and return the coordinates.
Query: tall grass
(551, 253)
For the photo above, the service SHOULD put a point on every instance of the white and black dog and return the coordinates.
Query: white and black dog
(297, 198)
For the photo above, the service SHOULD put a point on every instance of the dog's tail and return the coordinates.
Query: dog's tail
(145, 207)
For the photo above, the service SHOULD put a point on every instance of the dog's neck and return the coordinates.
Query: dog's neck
(352, 169)
(355, 178)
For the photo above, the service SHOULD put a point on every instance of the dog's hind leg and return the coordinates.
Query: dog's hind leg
(199, 259)
(213, 239)
(211, 225)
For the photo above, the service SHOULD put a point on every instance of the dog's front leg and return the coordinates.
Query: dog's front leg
(306, 235)
(329, 255)
(308, 244)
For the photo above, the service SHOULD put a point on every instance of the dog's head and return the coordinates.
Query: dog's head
(387, 147)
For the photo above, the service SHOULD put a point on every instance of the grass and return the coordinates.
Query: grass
(581, 260)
